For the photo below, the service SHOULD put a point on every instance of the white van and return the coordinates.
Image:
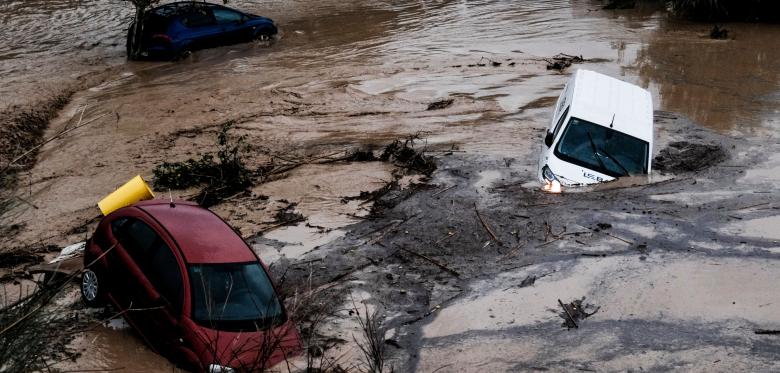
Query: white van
(601, 129)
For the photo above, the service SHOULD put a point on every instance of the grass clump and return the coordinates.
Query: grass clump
(221, 174)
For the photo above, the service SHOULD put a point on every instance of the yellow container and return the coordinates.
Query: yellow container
(133, 191)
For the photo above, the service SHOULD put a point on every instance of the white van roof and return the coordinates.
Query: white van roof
(597, 98)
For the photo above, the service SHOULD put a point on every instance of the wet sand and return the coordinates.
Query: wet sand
(348, 76)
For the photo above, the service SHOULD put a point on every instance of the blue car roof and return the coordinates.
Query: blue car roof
(175, 9)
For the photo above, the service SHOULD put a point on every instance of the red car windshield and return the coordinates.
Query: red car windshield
(235, 296)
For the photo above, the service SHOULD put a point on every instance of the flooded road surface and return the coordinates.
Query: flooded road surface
(410, 48)
(357, 74)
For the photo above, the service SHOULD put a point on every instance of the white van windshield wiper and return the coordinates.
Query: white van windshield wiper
(596, 151)
(625, 170)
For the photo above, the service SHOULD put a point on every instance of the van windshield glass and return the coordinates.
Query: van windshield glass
(602, 149)
(235, 296)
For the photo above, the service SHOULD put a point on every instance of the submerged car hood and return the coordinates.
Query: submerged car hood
(250, 351)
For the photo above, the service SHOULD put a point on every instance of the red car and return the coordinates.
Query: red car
(190, 286)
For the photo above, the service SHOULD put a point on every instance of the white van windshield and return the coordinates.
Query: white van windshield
(602, 149)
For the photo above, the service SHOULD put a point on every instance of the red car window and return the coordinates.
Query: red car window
(155, 259)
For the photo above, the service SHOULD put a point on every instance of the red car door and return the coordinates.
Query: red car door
(147, 282)
(129, 289)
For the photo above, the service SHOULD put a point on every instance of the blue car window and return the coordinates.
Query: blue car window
(198, 17)
(227, 16)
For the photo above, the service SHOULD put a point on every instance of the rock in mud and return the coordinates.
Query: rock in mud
(684, 156)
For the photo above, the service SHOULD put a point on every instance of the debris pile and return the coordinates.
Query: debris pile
(222, 176)
(403, 154)
(574, 312)
(684, 156)
(562, 61)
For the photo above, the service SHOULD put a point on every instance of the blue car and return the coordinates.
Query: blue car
(174, 30)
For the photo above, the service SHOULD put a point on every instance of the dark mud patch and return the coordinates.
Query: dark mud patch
(23, 127)
(684, 156)
(441, 104)
(288, 215)
(14, 258)
(539, 103)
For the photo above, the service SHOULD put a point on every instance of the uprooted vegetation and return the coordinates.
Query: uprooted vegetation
(404, 155)
(226, 173)
(221, 175)
(35, 329)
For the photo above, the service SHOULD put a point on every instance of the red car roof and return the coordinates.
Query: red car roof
(202, 236)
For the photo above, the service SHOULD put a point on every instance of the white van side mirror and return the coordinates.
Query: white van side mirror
(548, 140)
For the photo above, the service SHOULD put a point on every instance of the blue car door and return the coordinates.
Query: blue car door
(202, 28)
(233, 24)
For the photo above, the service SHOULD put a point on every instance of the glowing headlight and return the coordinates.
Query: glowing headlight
(548, 174)
(551, 183)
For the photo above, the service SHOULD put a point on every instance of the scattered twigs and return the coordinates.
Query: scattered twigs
(62, 133)
(609, 234)
(436, 263)
(385, 230)
(556, 239)
(282, 224)
(750, 206)
(447, 237)
(486, 226)
(571, 318)
(443, 190)
(26, 201)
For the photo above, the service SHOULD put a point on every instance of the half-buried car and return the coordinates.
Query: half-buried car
(190, 286)
(601, 129)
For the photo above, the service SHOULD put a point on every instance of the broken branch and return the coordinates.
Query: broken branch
(487, 227)
(442, 266)
(571, 318)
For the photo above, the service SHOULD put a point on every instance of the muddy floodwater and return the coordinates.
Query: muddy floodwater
(358, 74)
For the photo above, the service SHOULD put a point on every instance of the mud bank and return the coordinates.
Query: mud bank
(660, 258)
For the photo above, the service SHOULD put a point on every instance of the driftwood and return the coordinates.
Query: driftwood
(486, 226)
(442, 266)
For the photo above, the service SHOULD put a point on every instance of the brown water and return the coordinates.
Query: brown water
(724, 84)
(351, 73)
